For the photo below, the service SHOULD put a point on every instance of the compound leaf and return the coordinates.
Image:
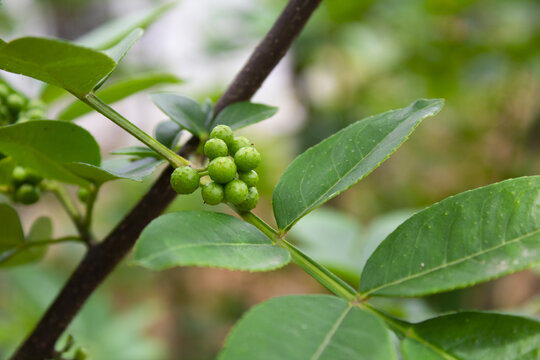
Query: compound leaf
(202, 238)
(463, 240)
(337, 163)
(316, 327)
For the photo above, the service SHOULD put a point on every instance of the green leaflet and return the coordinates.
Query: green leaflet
(185, 111)
(56, 62)
(241, 114)
(314, 327)
(463, 240)
(202, 238)
(474, 336)
(59, 62)
(46, 146)
(332, 166)
(114, 169)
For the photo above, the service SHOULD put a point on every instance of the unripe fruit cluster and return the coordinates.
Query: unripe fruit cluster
(26, 185)
(16, 108)
(233, 161)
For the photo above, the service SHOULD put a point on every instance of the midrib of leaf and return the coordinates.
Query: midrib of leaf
(315, 203)
(457, 261)
(330, 334)
(187, 246)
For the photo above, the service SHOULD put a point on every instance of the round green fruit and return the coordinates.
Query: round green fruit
(83, 194)
(185, 180)
(15, 102)
(214, 148)
(35, 114)
(222, 169)
(251, 200)
(251, 178)
(236, 192)
(238, 143)
(224, 133)
(27, 194)
(212, 193)
(247, 158)
(18, 176)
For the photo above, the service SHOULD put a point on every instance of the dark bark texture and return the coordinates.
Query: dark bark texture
(102, 258)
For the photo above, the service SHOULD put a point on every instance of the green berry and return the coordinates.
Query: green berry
(15, 102)
(251, 178)
(236, 191)
(83, 194)
(224, 133)
(185, 180)
(27, 194)
(222, 169)
(32, 177)
(19, 175)
(251, 200)
(37, 104)
(214, 148)
(247, 158)
(35, 114)
(4, 92)
(238, 143)
(212, 193)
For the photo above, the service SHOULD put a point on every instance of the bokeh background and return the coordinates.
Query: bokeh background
(354, 59)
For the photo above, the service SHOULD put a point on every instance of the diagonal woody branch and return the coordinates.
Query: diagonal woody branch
(102, 258)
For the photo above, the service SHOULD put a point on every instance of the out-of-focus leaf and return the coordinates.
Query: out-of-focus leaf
(46, 146)
(241, 114)
(41, 230)
(332, 166)
(463, 240)
(308, 327)
(202, 238)
(112, 32)
(11, 233)
(118, 91)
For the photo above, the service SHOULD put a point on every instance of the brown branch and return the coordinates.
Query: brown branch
(102, 258)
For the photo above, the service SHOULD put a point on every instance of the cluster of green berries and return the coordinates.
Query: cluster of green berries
(16, 108)
(26, 185)
(233, 161)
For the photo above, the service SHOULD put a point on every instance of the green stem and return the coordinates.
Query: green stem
(404, 329)
(90, 208)
(8, 255)
(325, 277)
(71, 210)
(96, 103)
